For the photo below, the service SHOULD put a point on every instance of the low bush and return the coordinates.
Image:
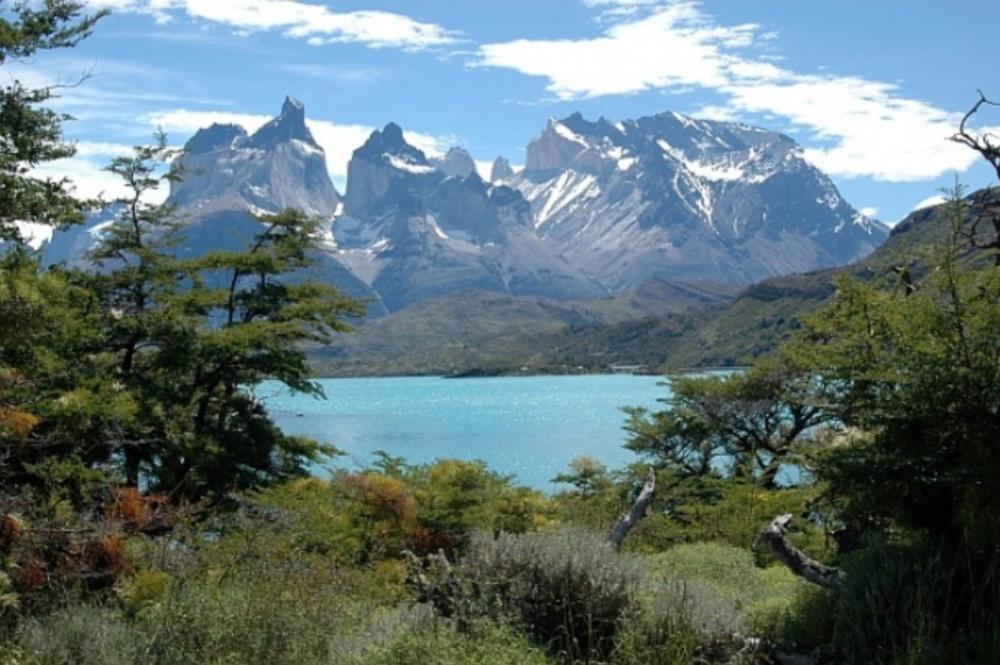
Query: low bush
(911, 605)
(568, 588)
(209, 627)
(723, 590)
(439, 643)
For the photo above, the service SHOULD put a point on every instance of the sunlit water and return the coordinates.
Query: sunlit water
(531, 427)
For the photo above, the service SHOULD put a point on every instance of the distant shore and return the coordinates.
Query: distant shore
(499, 372)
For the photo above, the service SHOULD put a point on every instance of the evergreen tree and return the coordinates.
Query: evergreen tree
(31, 134)
(46, 420)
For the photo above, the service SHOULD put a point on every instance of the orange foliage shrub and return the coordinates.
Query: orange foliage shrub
(106, 556)
(10, 531)
(31, 575)
(384, 510)
(17, 423)
(135, 511)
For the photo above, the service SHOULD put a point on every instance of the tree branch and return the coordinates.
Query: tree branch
(636, 513)
(773, 535)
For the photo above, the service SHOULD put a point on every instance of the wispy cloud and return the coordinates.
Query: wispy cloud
(315, 23)
(671, 47)
(333, 73)
(856, 127)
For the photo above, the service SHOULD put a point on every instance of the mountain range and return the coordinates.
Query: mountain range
(607, 223)
(660, 326)
(599, 208)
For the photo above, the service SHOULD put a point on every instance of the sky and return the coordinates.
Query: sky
(871, 89)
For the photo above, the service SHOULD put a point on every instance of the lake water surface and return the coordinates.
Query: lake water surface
(531, 427)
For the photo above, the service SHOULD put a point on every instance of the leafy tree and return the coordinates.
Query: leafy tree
(46, 321)
(742, 425)
(257, 310)
(190, 338)
(138, 284)
(918, 377)
(29, 133)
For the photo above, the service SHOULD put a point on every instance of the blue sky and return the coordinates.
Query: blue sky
(871, 89)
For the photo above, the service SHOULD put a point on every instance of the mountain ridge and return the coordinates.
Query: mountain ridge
(600, 208)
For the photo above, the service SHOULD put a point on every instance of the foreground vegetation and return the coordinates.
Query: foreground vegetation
(151, 512)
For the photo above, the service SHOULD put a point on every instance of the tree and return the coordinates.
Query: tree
(191, 338)
(29, 133)
(983, 232)
(743, 425)
(45, 320)
(918, 373)
(138, 284)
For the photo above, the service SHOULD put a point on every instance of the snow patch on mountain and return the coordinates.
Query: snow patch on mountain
(402, 164)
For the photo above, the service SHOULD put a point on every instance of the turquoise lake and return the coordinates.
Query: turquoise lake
(531, 427)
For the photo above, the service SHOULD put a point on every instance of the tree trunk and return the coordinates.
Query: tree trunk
(773, 535)
(636, 513)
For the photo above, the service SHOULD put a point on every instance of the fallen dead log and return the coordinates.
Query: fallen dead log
(800, 563)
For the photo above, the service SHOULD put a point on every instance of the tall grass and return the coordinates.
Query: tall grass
(915, 605)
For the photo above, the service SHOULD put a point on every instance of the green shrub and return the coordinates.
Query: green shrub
(256, 615)
(659, 630)
(143, 589)
(567, 588)
(438, 643)
(913, 606)
(78, 635)
(723, 590)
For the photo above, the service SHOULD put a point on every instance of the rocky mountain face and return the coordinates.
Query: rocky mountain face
(457, 162)
(501, 169)
(411, 231)
(677, 198)
(600, 208)
(277, 167)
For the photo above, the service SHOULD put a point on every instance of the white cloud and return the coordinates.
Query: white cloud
(872, 131)
(313, 22)
(854, 127)
(87, 175)
(35, 235)
(90, 180)
(338, 74)
(869, 211)
(670, 47)
(720, 113)
(935, 200)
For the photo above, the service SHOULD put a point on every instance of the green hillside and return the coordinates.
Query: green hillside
(483, 331)
(659, 325)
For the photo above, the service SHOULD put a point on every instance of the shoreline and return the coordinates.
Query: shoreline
(490, 373)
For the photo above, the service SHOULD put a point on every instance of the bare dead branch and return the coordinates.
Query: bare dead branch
(638, 510)
(981, 143)
(773, 535)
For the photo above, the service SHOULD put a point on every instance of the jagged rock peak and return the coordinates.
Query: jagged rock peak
(212, 138)
(392, 135)
(457, 162)
(290, 125)
(556, 146)
(292, 106)
(389, 141)
(280, 166)
(501, 169)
